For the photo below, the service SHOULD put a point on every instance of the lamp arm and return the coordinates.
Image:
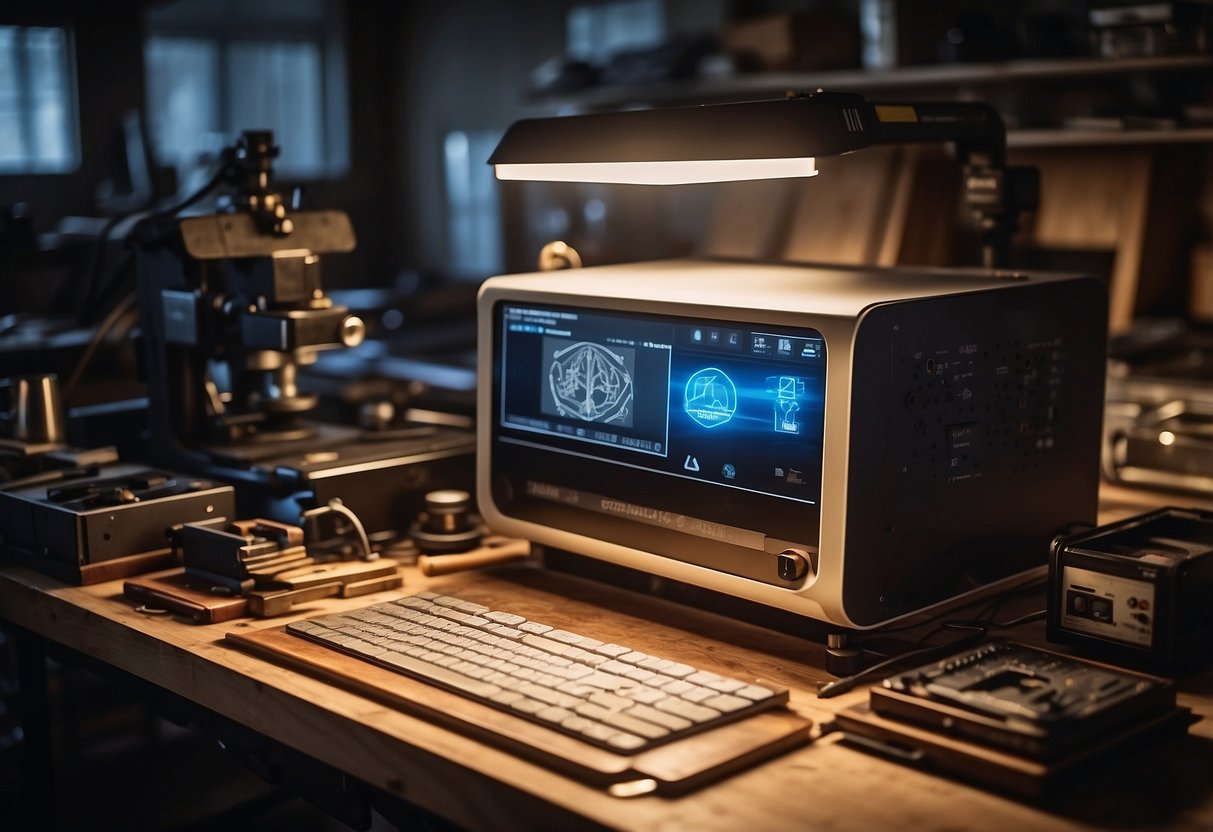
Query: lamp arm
(995, 192)
(976, 128)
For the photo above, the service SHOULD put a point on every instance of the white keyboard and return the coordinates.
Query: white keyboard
(604, 693)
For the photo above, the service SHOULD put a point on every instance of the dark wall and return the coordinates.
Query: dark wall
(465, 66)
(367, 192)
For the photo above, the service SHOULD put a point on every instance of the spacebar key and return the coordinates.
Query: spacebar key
(440, 675)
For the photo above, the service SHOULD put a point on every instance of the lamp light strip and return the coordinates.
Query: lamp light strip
(679, 172)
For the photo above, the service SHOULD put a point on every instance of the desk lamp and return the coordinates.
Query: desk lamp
(769, 140)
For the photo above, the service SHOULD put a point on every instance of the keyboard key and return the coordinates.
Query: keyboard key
(654, 663)
(534, 627)
(610, 701)
(625, 742)
(545, 644)
(441, 675)
(662, 718)
(612, 650)
(645, 695)
(639, 674)
(577, 689)
(697, 694)
(614, 666)
(726, 685)
(564, 636)
(754, 692)
(621, 721)
(635, 657)
(607, 681)
(726, 703)
(509, 619)
(528, 706)
(367, 649)
(597, 731)
(687, 710)
(548, 696)
(554, 714)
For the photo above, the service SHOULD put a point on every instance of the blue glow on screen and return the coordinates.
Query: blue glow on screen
(726, 403)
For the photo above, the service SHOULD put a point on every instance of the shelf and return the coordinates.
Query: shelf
(1060, 137)
(738, 87)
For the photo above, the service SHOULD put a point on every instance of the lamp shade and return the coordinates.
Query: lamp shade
(707, 143)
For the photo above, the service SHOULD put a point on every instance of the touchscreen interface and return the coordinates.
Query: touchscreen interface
(736, 406)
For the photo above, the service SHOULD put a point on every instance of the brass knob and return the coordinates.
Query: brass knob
(353, 331)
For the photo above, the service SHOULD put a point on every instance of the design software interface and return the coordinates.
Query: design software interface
(731, 404)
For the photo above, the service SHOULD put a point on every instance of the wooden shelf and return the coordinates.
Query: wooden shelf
(1061, 137)
(739, 87)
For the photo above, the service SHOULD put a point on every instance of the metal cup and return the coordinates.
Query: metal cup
(36, 409)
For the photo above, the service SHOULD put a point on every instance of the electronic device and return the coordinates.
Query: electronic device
(1026, 700)
(605, 694)
(1012, 717)
(850, 444)
(233, 307)
(1139, 590)
(110, 522)
(1158, 423)
(1122, 30)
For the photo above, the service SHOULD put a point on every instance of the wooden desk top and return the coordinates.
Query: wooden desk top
(823, 785)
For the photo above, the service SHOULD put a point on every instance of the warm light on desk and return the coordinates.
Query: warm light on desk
(661, 173)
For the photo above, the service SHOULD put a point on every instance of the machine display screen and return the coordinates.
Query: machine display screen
(737, 408)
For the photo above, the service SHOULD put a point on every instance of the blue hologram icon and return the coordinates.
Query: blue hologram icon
(710, 397)
(788, 391)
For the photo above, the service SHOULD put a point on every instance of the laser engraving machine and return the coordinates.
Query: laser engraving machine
(849, 444)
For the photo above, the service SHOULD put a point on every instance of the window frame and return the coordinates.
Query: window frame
(71, 102)
(327, 36)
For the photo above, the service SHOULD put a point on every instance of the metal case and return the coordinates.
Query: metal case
(961, 429)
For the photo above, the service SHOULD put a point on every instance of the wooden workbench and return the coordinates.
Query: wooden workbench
(826, 785)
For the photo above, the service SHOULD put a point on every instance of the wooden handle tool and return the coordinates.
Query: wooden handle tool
(494, 551)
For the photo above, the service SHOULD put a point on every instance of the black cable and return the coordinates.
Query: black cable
(840, 686)
(128, 302)
(981, 625)
(109, 322)
(1015, 622)
(221, 175)
(96, 262)
(110, 290)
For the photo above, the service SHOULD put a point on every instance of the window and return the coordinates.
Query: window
(213, 72)
(473, 224)
(37, 101)
(597, 33)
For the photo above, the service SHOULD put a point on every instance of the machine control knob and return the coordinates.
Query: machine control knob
(353, 331)
(792, 564)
